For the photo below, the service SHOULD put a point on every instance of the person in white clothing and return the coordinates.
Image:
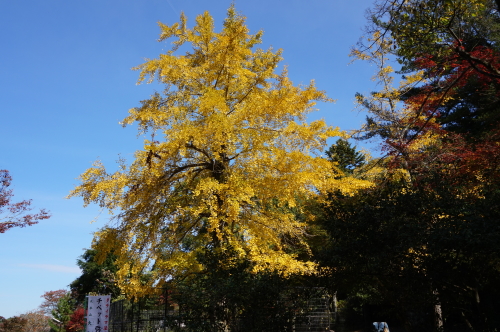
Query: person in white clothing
(380, 327)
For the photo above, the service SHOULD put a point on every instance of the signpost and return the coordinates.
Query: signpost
(97, 313)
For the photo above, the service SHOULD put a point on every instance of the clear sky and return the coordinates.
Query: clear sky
(66, 82)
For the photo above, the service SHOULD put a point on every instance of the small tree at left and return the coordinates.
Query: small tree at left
(15, 214)
(51, 299)
(65, 307)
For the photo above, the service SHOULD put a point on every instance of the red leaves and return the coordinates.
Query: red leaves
(51, 299)
(480, 65)
(484, 159)
(76, 322)
(459, 96)
(467, 168)
(15, 214)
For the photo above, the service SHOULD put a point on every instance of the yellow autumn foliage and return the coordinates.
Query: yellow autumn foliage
(234, 161)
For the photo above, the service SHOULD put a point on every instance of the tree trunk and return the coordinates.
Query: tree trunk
(438, 313)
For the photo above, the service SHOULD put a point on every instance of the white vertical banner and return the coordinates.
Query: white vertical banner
(98, 313)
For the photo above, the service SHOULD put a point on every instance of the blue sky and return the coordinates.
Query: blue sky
(66, 83)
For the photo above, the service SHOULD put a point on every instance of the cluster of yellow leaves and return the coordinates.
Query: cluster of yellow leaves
(235, 161)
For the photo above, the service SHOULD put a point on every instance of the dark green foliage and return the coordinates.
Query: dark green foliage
(62, 313)
(419, 27)
(344, 156)
(98, 278)
(409, 248)
(457, 45)
(229, 297)
(476, 109)
(426, 237)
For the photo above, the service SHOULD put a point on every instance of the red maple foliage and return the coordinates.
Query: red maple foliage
(51, 298)
(76, 322)
(459, 98)
(466, 167)
(480, 65)
(15, 214)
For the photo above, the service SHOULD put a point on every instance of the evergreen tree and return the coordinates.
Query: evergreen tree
(344, 156)
(62, 313)
(96, 277)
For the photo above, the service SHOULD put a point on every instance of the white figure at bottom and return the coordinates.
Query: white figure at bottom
(381, 327)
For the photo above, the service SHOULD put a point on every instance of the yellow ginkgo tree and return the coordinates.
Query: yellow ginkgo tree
(234, 160)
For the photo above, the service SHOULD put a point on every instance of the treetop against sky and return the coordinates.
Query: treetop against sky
(68, 84)
(229, 159)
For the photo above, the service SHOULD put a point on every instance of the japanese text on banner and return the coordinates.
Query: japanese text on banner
(98, 313)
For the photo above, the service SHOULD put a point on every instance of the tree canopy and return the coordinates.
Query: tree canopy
(51, 298)
(231, 181)
(95, 277)
(229, 159)
(448, 51)
(425, 238)
(15, 214)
